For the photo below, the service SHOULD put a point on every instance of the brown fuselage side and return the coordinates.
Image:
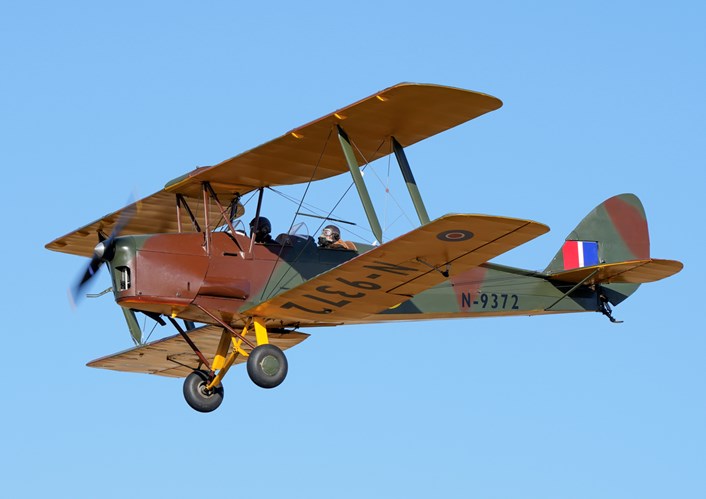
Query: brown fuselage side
(179, 274)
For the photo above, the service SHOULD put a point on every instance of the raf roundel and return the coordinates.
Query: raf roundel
(454, 236)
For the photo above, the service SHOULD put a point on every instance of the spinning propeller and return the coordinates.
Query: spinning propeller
(102, 253)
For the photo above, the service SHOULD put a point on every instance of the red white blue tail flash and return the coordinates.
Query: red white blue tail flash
(580, 254)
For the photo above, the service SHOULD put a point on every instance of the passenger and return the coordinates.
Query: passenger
(262, 232)
(330, 238)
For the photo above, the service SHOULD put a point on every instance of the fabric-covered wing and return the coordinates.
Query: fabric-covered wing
(632, 272)
(409, 112)
(155, 214)
(174, 358)
(390, 274)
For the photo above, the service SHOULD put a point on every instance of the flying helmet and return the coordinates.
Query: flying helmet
(264, 227)
(329, 235)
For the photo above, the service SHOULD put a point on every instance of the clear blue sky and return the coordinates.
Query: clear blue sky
(98, 100)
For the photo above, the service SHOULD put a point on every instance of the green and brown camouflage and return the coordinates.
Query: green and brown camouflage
(172, 275)
(618, 225)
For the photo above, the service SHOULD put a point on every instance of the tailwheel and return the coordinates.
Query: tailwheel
(267, 366)
(198, 396)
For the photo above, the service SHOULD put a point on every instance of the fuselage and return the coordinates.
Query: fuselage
(170, 273)
(180, 275)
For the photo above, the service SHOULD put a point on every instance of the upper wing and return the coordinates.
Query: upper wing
(154, 214)
(409, 112)
(390, 274)
(173, 357)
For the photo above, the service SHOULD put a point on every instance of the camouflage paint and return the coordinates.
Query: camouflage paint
(619, 225)
(493, 290)
(171, 274)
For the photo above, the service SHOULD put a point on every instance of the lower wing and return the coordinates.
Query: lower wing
(173, 357)
(395, 271)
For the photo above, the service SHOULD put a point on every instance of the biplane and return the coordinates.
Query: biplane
(183, 255)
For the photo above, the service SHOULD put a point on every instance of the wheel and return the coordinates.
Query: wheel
(267, 366)
(196, 394)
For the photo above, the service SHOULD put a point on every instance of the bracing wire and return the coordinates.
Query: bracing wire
(294, 219)
(402, 210)
(330, 212)
(224, 227)
(154, 326)
(350, 186)
(388, 193)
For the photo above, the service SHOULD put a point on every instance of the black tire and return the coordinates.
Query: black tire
(267, 366)
(196, 394)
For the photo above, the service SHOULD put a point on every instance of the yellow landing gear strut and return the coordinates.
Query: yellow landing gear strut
(266, 363)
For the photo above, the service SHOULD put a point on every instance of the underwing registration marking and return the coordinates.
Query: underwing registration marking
(346, 291)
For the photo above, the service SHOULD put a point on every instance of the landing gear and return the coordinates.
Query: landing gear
(198, 395)
(604, 307)
(267, 366)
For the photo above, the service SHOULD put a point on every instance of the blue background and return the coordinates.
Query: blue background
(98, 100)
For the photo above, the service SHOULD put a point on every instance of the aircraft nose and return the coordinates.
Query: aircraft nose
(104, 251)
(99, 250)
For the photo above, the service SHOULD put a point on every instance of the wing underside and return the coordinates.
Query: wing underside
(174, 358)
(408, 112)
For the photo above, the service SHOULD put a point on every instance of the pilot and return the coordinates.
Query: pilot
(262, 231)
(330, 238)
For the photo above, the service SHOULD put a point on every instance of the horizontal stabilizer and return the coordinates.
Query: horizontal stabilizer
(172, 356)
(630, 272)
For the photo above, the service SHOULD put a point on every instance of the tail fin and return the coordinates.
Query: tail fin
(615, 231)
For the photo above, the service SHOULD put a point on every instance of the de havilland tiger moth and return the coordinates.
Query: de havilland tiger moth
(233, 295)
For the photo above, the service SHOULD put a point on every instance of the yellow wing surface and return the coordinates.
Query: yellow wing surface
(631, 272)
(390, 274)
(174, 358)
(409, 112)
